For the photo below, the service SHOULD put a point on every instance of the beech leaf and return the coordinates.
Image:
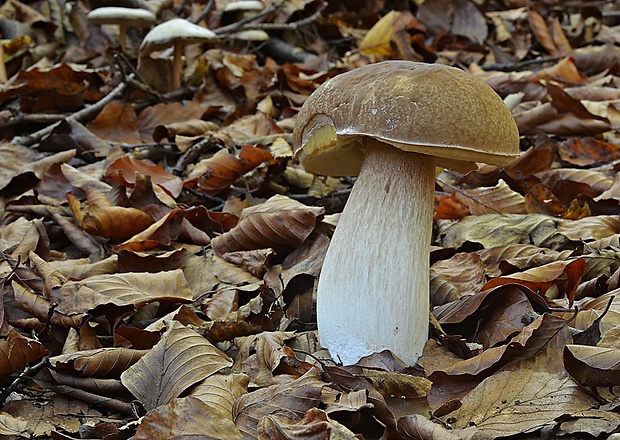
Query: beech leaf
(179, 360)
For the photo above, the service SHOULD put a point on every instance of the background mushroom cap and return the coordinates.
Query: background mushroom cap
(425, 108)
(116, 15)
(164, 35)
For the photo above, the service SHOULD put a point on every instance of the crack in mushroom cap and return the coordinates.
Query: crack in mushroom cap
(424, 108)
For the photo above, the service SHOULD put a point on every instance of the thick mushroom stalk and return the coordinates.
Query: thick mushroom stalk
(373, 292)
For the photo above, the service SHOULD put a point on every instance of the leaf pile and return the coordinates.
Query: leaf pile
(160, 247)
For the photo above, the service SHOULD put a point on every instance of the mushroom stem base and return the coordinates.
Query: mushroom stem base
(373, 292)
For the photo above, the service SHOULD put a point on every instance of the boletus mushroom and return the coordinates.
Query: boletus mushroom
(391, 124)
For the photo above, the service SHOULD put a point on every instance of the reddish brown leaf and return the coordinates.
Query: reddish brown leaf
(564, 274)
(217, 173)
(123, 171)
(18, 351)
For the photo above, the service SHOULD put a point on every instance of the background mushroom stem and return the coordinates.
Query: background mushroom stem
(374, 287)
(177, 65)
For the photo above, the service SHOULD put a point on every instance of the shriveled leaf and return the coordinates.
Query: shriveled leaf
(593, 366)
(278, 223)
(294, 397)
(590, 228)
(188, 417)
(417, 427)
(121, 289)
(268, 353)
(315, 425)
(179, 360)
(101, 362)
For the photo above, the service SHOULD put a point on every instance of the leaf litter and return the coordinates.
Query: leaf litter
(160, 248)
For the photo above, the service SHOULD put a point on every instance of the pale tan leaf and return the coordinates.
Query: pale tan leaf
(498, 199)
(493, 230)
(593, 366)
(221, 390)
(179, 360)
(516, 402)
(289, 396)
(14, 426)
(590, 228)
(278, 223)
(377, 39)
(121, 289)
(188, 417)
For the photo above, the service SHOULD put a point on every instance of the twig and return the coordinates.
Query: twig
(284, 26)
(193, 152)
(510, 67)
(237, 26)
(28, 371)
(78, 116)
(206, 11)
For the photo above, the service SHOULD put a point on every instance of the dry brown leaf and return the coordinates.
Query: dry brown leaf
(188, 417)
(268, 352)
(220, 171)
(522, 256)
(220, 391)
(417, 427)
(315, 425)
(516, 402)
(564, 274)
(590, 228)
(293, 397)
(179, 360)
(498, 199)
(124, 169)
(18, 351)
(494, 230)
(460, 275)
(278, 223)
(121, 289)
(593, 366)
(101, 362)
(117, 122)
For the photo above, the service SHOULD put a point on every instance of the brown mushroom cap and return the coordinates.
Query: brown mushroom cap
(118, 15)
(425, 108)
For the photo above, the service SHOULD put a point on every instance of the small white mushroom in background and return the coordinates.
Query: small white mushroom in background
(391, 123)
(123, 17)
(176, 34)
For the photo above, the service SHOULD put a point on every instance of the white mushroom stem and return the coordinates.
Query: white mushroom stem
(373, 291)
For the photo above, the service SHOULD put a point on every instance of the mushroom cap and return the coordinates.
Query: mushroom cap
(166, 34)
(244, 5)
(424, 108)
(117, 15)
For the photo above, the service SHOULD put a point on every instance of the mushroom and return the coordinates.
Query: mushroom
(176, 33)
(123, 17)
(391, 124)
